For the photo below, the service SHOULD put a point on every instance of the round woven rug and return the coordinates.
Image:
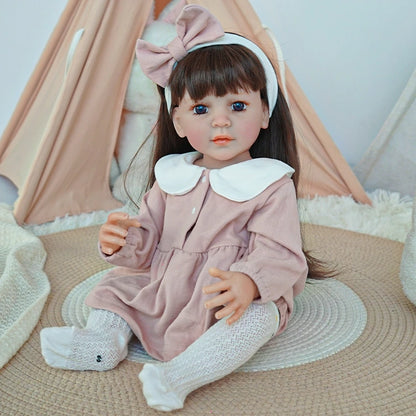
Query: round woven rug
(374, 375)
(328, 317)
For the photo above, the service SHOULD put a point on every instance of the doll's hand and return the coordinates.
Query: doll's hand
(237, 291)
(112, 235)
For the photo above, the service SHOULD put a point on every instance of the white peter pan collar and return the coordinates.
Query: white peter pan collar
(177, 175)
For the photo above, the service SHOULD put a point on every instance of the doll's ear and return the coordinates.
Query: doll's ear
(266, 118)
(177, 123)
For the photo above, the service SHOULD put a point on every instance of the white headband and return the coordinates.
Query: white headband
(232, 39)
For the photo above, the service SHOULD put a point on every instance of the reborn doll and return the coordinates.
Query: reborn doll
(208, 270)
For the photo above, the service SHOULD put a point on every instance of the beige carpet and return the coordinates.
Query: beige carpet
(373, 376)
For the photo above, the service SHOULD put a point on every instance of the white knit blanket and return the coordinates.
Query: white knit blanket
(24, 286)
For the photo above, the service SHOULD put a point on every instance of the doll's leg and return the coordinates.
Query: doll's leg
(218, 352)
(100, 346)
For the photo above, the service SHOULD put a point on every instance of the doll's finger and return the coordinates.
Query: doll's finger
(219, 300)
(221, 274)
(227, 310)
(115, 217)
(216, 287)
(108, 248)
(131, 222)
(234, 311)
(112, 240)
(111, 229)
(235, 316)
(115, 241)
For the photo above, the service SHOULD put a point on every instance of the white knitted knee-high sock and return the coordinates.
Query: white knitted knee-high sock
(100, 346)
(218, 352)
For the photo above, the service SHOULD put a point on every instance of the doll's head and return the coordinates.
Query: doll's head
(203, 61)
(218, 70)
(217, 105)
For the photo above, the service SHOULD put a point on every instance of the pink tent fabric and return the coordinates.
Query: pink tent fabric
(58, 145)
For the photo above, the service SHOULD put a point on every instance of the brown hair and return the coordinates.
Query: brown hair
(218, 70)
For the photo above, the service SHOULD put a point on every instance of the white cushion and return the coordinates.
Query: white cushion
(408, 263)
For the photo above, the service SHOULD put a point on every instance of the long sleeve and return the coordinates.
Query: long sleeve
(141, 242)
(275, 260)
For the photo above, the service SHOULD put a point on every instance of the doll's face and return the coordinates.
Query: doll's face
(221, 128)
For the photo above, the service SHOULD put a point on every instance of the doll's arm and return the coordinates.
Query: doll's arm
(275, 259)
(112, 235)
(237, 291)
(275, 268)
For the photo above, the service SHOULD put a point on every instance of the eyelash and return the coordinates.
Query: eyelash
(204, 107)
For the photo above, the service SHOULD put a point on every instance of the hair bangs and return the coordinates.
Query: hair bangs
(217, 70)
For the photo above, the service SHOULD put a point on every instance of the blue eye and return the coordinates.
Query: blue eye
(238, 106)
(200, 109)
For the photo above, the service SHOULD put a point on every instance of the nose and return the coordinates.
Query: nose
(220, 119)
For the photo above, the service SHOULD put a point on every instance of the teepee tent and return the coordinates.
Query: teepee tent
(390, 161)
(58, 146)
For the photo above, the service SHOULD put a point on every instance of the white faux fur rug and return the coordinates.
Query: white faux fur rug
(388, 217)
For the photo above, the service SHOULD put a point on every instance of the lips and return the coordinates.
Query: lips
(222, 140)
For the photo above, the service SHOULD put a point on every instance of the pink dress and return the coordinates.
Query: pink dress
(241, 218)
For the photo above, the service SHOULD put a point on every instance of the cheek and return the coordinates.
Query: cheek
(249, 130)
(194, 137)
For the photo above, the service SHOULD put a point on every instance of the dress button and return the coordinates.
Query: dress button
(193, 210)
